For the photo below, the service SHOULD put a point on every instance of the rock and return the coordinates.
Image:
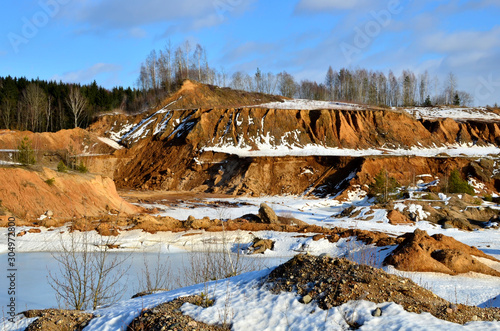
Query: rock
(318, 237)
(50, 213)
(261, 245)
(395, 217)
(267, 214)
(192, 324)
(306, 299)
(459, 223)
(377, 312)
(483, 171)
(189, 222)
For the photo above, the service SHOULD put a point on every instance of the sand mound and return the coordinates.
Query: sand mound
(439, 253)
(196, 95)
(29, 194)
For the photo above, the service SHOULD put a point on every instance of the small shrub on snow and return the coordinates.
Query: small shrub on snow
(384, 187)
(458, 185)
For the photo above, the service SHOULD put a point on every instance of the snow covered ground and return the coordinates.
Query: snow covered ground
(266, 149)
(453, 113)
(305, 104)
(110, 142)
(251, 304)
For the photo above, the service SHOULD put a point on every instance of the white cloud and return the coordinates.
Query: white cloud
(130, 14)
(328, 5)
(88, 74)
(137, 33)
(462, 41)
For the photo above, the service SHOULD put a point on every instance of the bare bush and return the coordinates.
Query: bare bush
(88, 276)
(155, 275)
(216, 261)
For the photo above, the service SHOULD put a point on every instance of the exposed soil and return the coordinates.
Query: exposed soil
(332, 282)
(439, 253)
(72, 142)
(166, 152)
(58, 320)
(29, 194)
(167, 316)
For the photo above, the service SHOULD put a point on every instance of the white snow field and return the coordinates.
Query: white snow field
(457, 113)
(305, 104)
(251, 304)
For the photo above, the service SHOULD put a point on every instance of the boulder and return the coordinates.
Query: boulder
(482, 171)
(259, 246)
(267, 214)
(395, 217)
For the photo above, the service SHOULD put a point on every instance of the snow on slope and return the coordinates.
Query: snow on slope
(251, 304)
(247, 303)
(110, 142)
(265, 148)
(304, 104)
(134, 132)
(453, 113)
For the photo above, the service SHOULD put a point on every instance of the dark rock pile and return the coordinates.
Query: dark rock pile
(167, 316)
(332, 282)
(57, 319)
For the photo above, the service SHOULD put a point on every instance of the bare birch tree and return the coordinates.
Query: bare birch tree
(77, 103)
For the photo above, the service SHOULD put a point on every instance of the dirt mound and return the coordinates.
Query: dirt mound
(196, 95)
(395, 218)
(191, 95)
(29, 194)
(167, 316)
(58, 319)
(333, 282)
(77, 140)
(439, 253)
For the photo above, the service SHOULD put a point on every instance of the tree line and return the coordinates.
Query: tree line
(37, 105)
(360, 86)
(164, 70)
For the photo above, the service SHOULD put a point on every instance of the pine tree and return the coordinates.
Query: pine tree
(458, 185)
(26, 155)
(383, 187)
(330, 81)
(427, 102)
(457, 100)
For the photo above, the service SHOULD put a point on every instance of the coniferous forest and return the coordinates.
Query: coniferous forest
(37, 105)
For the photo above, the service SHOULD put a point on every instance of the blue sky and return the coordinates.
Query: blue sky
(106, 40)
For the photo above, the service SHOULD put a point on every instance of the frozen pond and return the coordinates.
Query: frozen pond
(32, 278)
